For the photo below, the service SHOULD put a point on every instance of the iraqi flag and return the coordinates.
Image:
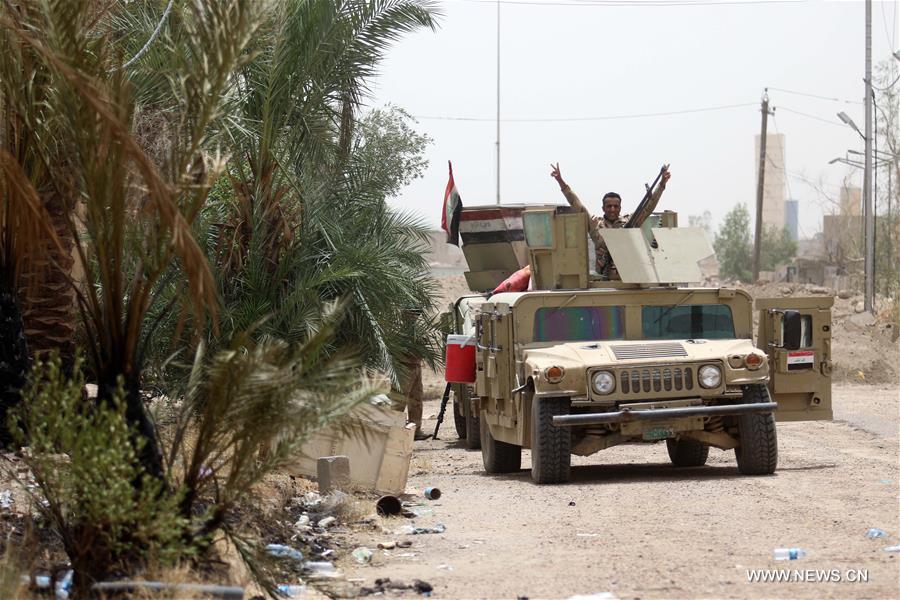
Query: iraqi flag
(452, 210)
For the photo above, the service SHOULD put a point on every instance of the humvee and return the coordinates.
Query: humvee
(577, 364)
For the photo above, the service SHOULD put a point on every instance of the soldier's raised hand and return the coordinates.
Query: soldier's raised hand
(665, 176)
(555, 174)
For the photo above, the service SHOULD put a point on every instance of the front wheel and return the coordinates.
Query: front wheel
(687, 453)
(758, 450)
(551, 446)
(497, 456)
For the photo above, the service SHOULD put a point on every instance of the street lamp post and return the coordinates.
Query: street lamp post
(869, 216)
(868, 213)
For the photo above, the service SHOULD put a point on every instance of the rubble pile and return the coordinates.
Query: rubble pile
(865, 347)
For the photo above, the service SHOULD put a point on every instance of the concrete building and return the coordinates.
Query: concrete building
(773, 191)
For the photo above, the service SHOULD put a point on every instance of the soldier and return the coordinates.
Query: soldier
(408, 393)
(411, 389)
(612, 206)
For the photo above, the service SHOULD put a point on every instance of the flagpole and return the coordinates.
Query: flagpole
(498, 101)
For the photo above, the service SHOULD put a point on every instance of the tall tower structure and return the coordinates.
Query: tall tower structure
(792, 217)
(773, 192)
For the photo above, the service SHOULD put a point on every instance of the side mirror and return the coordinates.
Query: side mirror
(791, 325)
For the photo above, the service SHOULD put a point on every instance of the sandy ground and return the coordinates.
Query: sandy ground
(632, 525)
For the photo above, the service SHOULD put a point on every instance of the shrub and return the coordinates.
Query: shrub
(84, 459)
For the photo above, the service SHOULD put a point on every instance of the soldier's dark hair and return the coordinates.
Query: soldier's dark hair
(612, 195)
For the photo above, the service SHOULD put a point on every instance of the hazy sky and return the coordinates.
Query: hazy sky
(586, 59)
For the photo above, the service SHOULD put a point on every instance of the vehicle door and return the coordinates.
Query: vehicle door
(495, 368)
(799, 378)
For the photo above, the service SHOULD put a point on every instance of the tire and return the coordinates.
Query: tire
(473, 420)
(498, 457)
(459, 419)
(551, 446)
(687, 453)
(758, 450)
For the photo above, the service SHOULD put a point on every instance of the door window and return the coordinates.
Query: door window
(805, 331)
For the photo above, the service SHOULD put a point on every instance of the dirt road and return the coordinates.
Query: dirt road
(632, 525)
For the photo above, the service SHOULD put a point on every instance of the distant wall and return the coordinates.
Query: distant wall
(442, 254)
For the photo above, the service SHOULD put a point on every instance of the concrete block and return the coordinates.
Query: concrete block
(333, 473)
(378, 441)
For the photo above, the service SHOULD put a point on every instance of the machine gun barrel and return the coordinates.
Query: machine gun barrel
(440, 419)
(644, 209)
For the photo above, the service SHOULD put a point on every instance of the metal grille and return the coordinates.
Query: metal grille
(629, 351)
(656, 379)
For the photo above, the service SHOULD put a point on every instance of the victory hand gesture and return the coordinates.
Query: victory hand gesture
(555, 174)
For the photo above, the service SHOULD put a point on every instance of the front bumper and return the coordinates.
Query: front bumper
(662, 414)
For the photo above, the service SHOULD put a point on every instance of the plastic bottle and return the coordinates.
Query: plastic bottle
(363, 555)
(789, 553)
(280, 551)
(292, 591)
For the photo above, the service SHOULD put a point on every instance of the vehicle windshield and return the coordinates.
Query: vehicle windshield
(579, 323)
(688, 321)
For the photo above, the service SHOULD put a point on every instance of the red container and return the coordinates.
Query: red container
(460, 363)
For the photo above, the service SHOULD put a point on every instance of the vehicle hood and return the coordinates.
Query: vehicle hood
(621, 352)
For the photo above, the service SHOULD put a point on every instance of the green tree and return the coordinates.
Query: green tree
(887, 137)
(387, 143)
(702, 221)
(304, 221)
(315, 246)
(776, 249)
(733, 245)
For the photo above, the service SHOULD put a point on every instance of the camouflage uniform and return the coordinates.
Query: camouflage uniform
(410, 393)
(595, 224)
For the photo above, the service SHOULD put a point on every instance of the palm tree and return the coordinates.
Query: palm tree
(137, 218)
(22, 215)
(304, 211)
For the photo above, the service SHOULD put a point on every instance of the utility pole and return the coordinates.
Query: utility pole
(869, 214)
(890, 234)
(760, 184)
(498, 101)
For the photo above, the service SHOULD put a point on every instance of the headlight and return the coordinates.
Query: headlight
(603, 382)
(710, 376)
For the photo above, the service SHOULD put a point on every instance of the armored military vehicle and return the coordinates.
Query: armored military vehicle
(577, 364)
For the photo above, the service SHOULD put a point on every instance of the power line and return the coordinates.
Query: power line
(783, 167)
(889, 34)
(889, 86)
(820, 97)
(808, 116)
(581, 119)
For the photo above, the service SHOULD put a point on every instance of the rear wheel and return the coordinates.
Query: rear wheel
(687, 453)
(551, 446)
(498, 457)
(473, 421)
(758, 450)
(459, 419)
